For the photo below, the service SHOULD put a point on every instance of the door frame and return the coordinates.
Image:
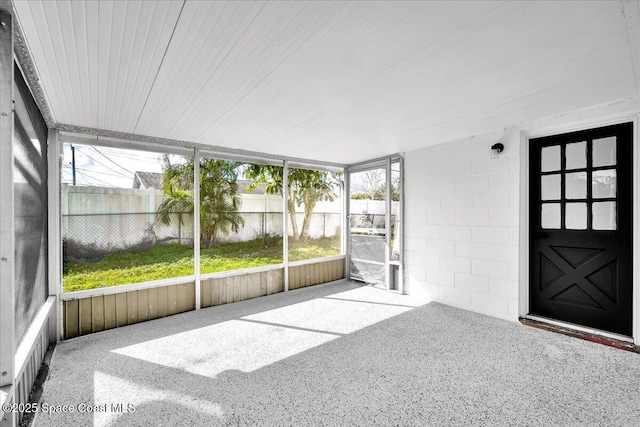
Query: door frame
(386, 164)
(523, 292)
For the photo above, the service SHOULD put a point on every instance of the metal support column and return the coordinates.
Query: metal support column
(7, 235)
(7, 228)
(388, 277)
(54, 158)
(400, 230)
(285, 223)
(196, 223)
(346, 229)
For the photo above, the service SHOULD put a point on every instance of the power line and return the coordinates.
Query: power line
(134, 156)
(90, 179)
(117, 174)
(108, 167)
(82, 180)
(94, 179)
(123, 168)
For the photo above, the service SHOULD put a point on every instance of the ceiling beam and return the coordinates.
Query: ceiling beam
(122, 139)
(25, 61)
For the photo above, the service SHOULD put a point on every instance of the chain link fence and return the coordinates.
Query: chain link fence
(88, 236)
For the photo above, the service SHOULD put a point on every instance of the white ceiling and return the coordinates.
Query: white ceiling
(332, 81)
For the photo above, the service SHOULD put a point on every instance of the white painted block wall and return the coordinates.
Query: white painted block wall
(461, 237)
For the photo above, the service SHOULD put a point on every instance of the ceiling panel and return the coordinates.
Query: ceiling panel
(332, 81)
(132, 40)
(97, 60)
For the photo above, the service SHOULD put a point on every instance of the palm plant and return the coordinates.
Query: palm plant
(219, 199)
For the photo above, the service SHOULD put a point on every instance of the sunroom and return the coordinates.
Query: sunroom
(193, 164)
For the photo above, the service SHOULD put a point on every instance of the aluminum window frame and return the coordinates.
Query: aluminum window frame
(158, 145)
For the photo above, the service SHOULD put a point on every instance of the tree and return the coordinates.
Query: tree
(306, 188)
(371, 183)
(219, 199)
(395, 187)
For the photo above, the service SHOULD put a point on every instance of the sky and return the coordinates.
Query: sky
(107, 167)
(113, 167)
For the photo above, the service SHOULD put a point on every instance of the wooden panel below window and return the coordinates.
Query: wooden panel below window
(94, 314)
(301, 276)
(224, 290)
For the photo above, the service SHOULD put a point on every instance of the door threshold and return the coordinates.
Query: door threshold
(600, 337)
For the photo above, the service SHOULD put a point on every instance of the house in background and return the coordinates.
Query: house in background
(147, 180)
(512, 127)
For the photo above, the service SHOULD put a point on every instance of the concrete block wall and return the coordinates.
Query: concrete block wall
(461, 237)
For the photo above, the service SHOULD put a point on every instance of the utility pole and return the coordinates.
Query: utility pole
(73, 163)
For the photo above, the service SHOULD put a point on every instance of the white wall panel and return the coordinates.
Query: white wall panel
(477, 275)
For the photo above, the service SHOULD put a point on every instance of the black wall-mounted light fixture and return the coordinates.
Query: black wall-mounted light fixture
(496, 149)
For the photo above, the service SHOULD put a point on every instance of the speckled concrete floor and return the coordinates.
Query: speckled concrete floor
(338, 354)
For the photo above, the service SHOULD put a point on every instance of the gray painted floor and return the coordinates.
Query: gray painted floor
(340, 354)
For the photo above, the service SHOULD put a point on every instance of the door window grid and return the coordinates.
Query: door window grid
(578, 185)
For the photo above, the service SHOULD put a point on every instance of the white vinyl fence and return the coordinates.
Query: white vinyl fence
(118, 218)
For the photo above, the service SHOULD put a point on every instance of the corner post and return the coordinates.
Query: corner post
(7, 217)
(7, 234)
(346, 223)
(54, 156)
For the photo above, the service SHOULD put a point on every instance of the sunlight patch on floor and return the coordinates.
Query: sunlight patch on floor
(341, 313)
(231, 345)
(255, 341)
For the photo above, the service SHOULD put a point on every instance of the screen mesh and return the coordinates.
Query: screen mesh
(30, 199)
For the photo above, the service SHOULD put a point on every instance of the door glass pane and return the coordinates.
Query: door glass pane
(550, 158)
(394, 254)
(576, 216)
(550, 216)
(550, 187)
(603, 183)
(604, 216)
(604, 151)
(367, 208)
(576, 155)
(576, 185)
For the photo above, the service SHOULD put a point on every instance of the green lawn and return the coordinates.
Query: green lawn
(166, 261)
